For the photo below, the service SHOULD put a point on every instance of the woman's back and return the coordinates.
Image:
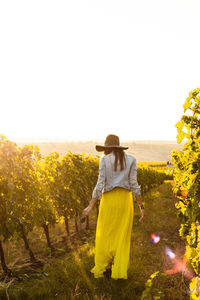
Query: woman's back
(109, 178)
(118, 174)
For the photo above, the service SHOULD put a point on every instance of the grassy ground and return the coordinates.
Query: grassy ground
(66, 275)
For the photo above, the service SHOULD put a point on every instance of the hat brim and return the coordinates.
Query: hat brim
(100, 148)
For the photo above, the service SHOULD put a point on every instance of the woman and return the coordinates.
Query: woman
(116, 182)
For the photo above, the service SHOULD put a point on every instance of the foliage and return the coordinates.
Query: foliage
(151, 291)
(187, 179)
(195, 288)
(149, 178)
(43, 207)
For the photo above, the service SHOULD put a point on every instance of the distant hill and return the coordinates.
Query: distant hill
(142, 150)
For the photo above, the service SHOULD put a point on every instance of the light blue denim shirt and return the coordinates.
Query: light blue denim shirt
(108, 179)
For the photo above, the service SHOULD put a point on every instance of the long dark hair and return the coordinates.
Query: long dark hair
(119, 156)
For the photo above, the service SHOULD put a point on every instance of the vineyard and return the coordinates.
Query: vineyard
(42, 195)
(40, 192)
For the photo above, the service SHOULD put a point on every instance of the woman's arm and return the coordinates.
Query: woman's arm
(138, 198)
(101, 180)
(87, 210)
(98, 188)
(135, 188)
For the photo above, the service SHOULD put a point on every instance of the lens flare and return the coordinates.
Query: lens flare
(179, 265)
(170, 253)
(155, 238)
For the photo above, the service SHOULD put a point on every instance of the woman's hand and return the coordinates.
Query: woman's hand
(138, 198)
(86, 211)
(142, 215)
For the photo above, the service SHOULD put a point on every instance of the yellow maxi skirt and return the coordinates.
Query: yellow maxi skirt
(113, 233)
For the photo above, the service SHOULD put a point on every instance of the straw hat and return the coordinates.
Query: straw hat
(112, 141)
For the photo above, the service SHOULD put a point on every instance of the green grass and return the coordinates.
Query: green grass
(69, 277)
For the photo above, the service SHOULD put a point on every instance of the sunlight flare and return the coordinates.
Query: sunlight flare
(169, 253)
(179, 265)
(155, 238)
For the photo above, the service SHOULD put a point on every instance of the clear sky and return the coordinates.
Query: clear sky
(82, 69)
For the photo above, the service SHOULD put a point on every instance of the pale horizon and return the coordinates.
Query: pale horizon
(57, 140)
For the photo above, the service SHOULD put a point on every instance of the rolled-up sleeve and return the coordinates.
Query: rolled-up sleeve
(135, 188)
(101, 180)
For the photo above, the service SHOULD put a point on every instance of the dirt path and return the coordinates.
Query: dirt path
(147, 257)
